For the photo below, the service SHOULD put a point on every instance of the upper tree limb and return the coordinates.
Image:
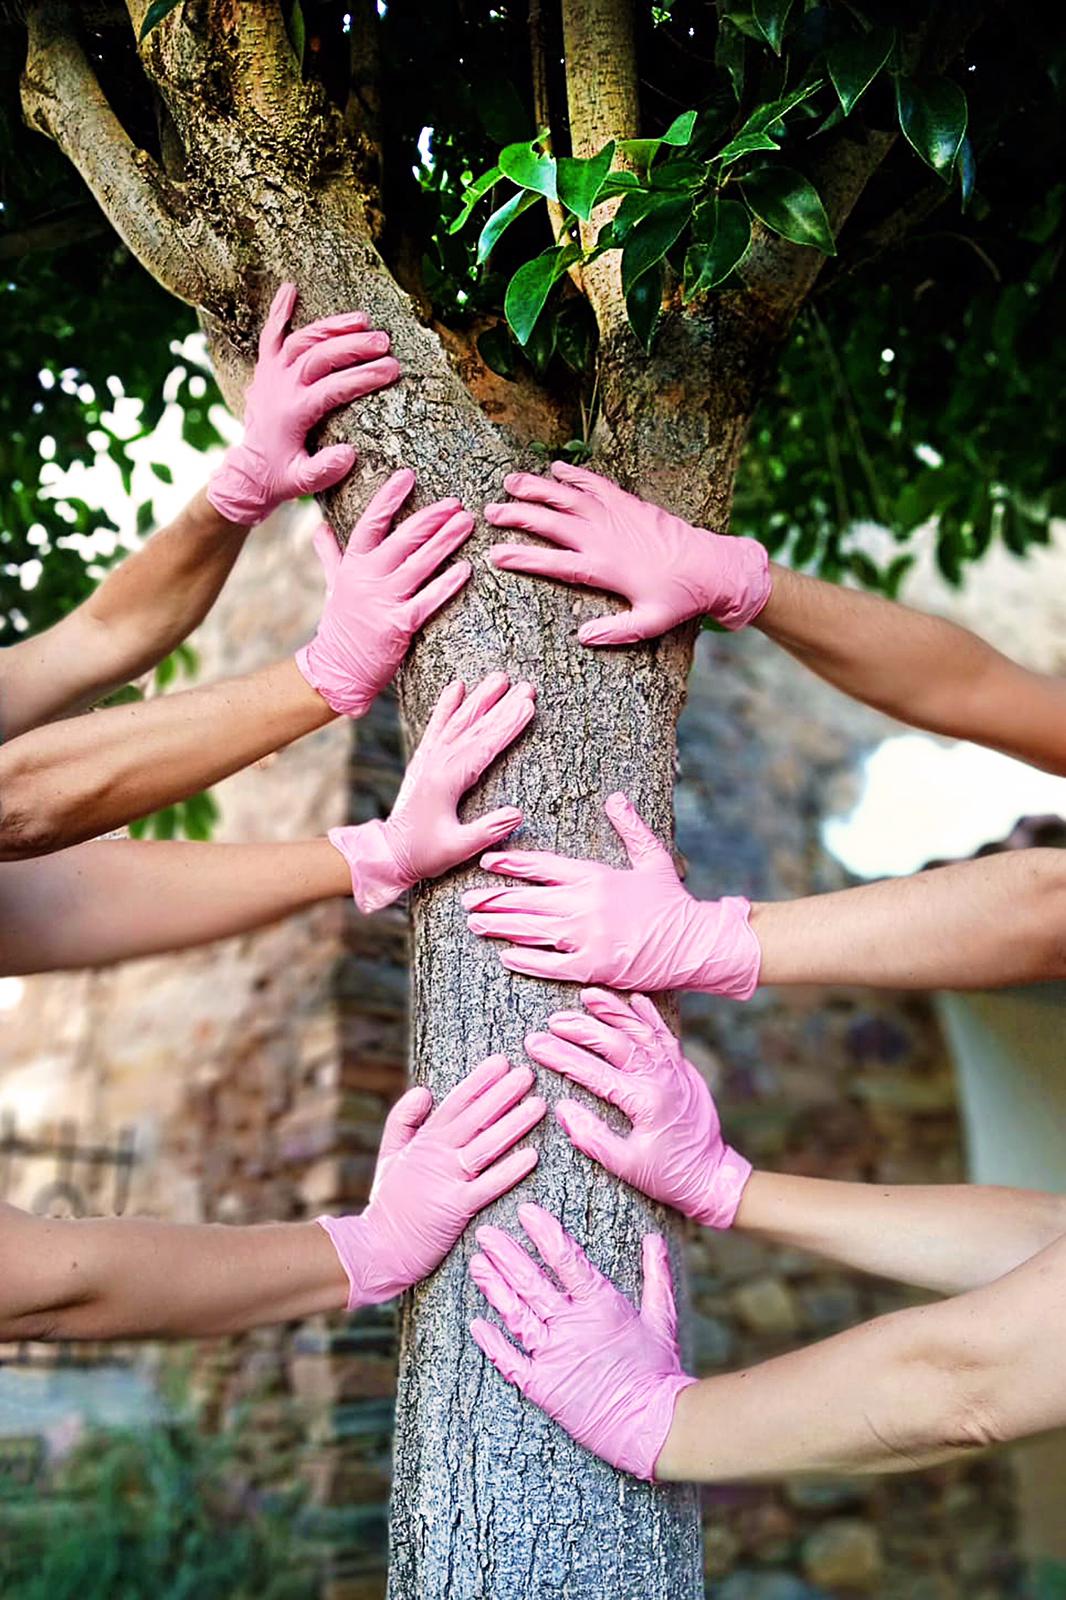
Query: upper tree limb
(146, 606)
(975, 925)
(907, 1391)
(919, 669)
(75, 780)
(947, 1238)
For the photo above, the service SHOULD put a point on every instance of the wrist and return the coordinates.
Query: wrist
(718, 1205)
(210, 522)
(728, 954)
(672, 1464)
(378, 874)
(235, 489)
(738, 586)
(353, 1241)
(333, 685)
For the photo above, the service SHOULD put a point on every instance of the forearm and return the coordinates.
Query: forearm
(909, 1390)
(132, 1279)
(920, 669)
(139, 613)
(118, 899)
(945, 1237)
(62, 784)
(977, 925)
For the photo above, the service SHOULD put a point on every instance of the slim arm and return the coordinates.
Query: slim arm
(62, 784)
(906, 1391)
(146, 606)
(920, 669)
(975, 925)
(133, 1279)
(945, 1237)
(116, 899)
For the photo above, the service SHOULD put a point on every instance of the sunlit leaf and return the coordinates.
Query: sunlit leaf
(789, 203)
(854, 64)
(933, 118)
(579, 182)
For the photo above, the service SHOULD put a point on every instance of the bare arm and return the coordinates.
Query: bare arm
(61, 784)
(133, 1279)
(922, 670)
(116, 899)
(906, 1391)
(975, 925)
(946, 1237)
(146, 606)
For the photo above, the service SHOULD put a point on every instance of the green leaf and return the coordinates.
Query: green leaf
(933, 119)
(620, 183)
(576, 334)
(652, 238)
(854, 64)
(531, 285)
(162, 471)
(579, 182)
(789, 204)
(524, 165)
(680, 130)
(771, 16)
(708, 261)
(755, 133)
(634, 209)
(155, 14)
(477, 190)
(501, 220)
(729, 55)
(144, 517)
(166, 672)
(643, 304)
(967, 171)
(297, 31)
(496, 349)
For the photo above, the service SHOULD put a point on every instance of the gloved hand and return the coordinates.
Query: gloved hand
(378, 593)
(423, 836)
(436, 1170)
(627, 1055)
(605, 538)
(298, 378)
(608, 1375)
(632, 930)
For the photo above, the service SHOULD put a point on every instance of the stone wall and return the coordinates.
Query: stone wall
(257, 1074)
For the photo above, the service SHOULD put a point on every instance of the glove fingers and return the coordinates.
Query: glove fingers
(497, 1140)
(580, 1066)
(328, 551)
(376, 520)
(435, 595)
(591, 1033)
(536, 866)
(582, 478)
(325, 468)
(560, 1250)
(484, 1075)
(611, 1010)
(657, 1307)
(482, 696)
(522, 1275)
(303, 339)
(539, 932)
(542, 964)
(588, 1133)
(404, 1121)
(501, 1177)
(530, 486)
(488, 830)
(516, 1316)
(340, 388)
(510, 1363)
(558, 526)
(649, 1014)
(491, 732)
(564, 566)
(640, 843)
(625, 627)
(423, 562)
(492, 1102)
(448, 703)
(277, 319)
(331, 354)
(534, 902)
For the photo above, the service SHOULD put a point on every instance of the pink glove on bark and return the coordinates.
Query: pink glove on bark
(434, 1173)
(298, 379)
(423, 836)
(627, 1055)
(605, 538)
(608, 1374)
(633, 930)
(378, 593)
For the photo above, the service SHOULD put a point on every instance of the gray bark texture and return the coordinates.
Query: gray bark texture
(491, 1500)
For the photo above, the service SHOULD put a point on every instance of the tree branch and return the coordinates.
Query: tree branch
(602, 92)
(62, 98)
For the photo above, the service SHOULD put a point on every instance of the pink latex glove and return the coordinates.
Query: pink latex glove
(436, 1170)
(605, 538)
(633, 930)
(298, 378)
(378, 593)
(627, 1055)
(423, 837)
(608, 1375)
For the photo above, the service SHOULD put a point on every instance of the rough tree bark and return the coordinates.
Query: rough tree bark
(266, 182)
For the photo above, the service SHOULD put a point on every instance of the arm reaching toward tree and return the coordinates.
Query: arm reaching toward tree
(116, 899)
(975, 925)
(908, 1390)
(131, 1279)
(62, 784)
(919, 669)
(158, 595)
(948, 1237)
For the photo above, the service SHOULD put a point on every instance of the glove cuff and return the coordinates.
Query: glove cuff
(348, 1237)
(235, 491)
(658, 1422)
(336, 689)
(378, 877)
(733, 959)
(746, 567)
(718, 1209)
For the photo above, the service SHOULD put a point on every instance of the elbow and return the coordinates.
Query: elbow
(31, 822)
(952, 1384)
